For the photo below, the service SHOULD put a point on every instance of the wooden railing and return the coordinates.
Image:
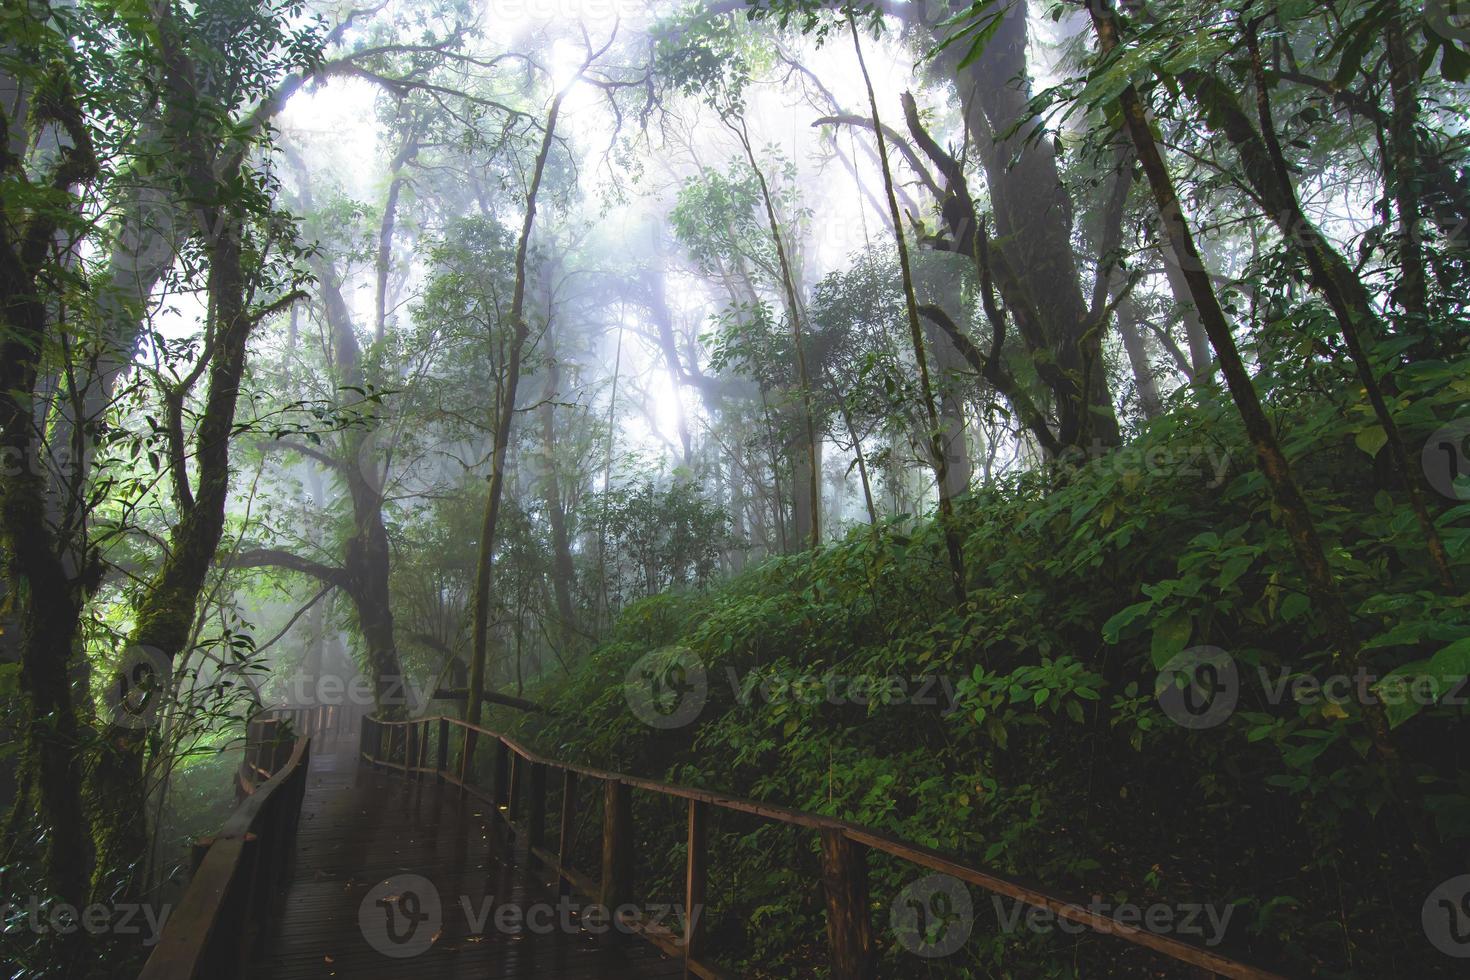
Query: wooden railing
(520, 779)
(238, 872)
(325, 720)
(270, 735)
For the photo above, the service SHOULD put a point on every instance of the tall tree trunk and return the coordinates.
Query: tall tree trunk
(1401, 171)
(1150, 403)
(860, 458)
(778, 512)
(504, 422)
(1351, 303)
(1201, 362)
(805, 522)
(970, 237)
(165, 611)
(562, 570)
(384, 262)
(916, 337)
(736, 552)
(1292, 507)
(44, 582)
(366, 556)
(1033, 217)
(810, 466)
(1111, 280)
(940, 280)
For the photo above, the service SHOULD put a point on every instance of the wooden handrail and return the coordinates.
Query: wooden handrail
(208, 934)
(844, 847)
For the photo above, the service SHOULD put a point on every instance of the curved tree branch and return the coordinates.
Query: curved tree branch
(279, 558)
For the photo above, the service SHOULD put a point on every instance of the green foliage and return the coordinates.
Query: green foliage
(1080, 588)
(659, 538)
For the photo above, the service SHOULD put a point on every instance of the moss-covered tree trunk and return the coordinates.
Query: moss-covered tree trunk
(165, 610)
(45, 581)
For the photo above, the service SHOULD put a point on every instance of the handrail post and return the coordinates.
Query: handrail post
(502, 771)
(278, 750)
(298, 791)
(441, 763)
(849, 931)
(568, 828)
(513, 790)
(465, 752)
(536, 811)
(696, 881)
(617, 850)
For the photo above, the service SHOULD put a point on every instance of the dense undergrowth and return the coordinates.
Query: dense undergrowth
(1057, 761)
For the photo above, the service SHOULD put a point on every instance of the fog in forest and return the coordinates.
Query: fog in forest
(1033, 431)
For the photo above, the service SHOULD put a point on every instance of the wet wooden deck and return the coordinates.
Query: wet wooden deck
(351, 911)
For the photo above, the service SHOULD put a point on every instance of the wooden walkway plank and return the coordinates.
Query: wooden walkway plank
(362, 827)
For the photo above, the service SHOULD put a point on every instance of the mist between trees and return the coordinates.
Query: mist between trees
(493, 350)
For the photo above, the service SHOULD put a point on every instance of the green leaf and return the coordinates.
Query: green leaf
(1452, 661)
(1200, 49)
(1294, 605)
(1122, 618)
(1170, 636)
(1400, 710)
(1232, 570)
(1371, 439)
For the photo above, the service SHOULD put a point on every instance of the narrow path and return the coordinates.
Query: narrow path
(351, 912)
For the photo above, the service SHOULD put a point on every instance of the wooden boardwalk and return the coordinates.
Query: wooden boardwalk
(349, 911)
(331, 868)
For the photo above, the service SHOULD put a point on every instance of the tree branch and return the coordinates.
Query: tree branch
(278, 558)
(901, 144)
(993, 370)
(311, 452)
